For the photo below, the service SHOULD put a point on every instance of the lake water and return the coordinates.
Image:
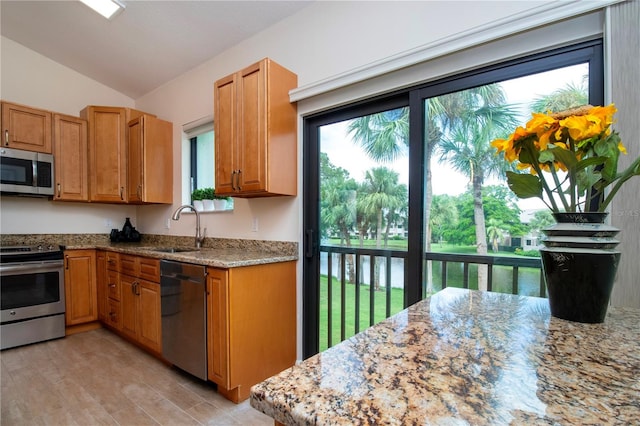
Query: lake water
(528, 278)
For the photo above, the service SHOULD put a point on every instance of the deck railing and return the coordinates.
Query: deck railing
(391, 268)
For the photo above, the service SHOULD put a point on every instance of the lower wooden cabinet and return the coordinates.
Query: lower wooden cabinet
(81, 299)
(251, 325)
(140, 302)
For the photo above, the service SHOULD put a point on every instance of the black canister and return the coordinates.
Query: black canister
(127, 228)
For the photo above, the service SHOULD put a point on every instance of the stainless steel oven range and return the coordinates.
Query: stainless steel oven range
(31, 295)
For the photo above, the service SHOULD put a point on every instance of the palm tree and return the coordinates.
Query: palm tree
(495, 233)
(381, 194)
(570, 96)
(383, 136)
(467, 148)
(338, 206)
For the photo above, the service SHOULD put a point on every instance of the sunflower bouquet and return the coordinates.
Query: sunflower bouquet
(567, 159)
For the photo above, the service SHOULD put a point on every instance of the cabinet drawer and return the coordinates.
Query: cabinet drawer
(128, 265)
(112, 261)
(113, 285)
(114, 316)
(149, 269)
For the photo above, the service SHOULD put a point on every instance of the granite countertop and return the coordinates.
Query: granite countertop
(216, 257)
(467, 357)
(216, 252)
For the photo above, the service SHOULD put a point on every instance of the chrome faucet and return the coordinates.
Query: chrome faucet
(199, 237)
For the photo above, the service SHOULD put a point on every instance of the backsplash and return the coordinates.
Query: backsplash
(79, 240)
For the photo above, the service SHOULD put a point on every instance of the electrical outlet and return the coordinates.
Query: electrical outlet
(168, 224)
(254, 225)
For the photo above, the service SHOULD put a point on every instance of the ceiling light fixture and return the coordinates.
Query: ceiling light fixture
(106, 8)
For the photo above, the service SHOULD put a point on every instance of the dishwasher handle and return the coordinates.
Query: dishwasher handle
(182, 277)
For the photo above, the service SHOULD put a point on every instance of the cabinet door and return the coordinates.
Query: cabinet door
(107, 153)
(80, 287)
(70, 155)
(134, 160)
(128, 300)
(101, 284)
(150, 160)
(149, 320)
(218, 327)
(224, 123)
(252, 129)
(26, 128)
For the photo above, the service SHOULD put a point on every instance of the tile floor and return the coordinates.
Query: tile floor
(96, 378)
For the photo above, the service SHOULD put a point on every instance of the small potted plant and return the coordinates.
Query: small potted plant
(220, 201)
(207, 199)
(196, 199)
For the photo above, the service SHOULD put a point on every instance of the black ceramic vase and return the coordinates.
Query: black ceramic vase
(579, 263)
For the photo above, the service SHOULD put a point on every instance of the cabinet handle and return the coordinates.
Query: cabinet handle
(139, 192)
(6, 137)
(66, 261)
(122, 193)
(112, 285)
(58, 190)
(233, 180)
(238, 185)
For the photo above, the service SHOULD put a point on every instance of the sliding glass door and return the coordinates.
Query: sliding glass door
(404, 194)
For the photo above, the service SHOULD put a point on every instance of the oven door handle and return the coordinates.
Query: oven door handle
(30, 267)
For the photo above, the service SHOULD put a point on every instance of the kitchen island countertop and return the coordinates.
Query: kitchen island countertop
(467, 357)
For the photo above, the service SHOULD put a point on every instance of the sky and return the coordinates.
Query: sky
(343, 152)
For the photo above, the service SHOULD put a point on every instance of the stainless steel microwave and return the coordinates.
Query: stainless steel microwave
(26, 172)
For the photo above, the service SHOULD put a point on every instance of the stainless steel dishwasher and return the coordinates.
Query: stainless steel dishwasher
(184, 316)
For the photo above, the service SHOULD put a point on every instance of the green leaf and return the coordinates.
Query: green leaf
(566, 157)
(546, 156)
(591, 161)
(608, 148)
(586, 179)
(524, 185)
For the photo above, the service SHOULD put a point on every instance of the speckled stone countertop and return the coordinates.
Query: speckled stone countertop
(217, 252)
(466, 357)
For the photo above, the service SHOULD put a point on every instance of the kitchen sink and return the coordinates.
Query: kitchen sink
(174, 249)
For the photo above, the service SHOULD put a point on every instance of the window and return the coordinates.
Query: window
(198, 157)
(201, 161)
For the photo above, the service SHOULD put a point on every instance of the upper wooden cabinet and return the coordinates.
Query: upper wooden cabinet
(70, 158)
(26, 128)
(150, 161)
(255, 132)
(108, 132)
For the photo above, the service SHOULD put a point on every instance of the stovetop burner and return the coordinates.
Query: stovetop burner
(17, 254)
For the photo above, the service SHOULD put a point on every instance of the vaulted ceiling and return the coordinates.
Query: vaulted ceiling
(145, 46)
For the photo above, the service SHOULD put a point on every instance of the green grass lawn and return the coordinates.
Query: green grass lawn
(380, 299)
